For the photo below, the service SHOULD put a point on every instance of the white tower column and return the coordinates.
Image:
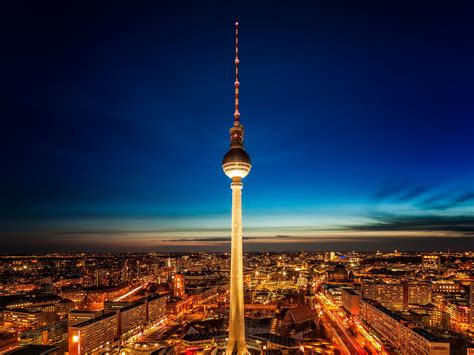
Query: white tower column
(236, 314)
(236, 165)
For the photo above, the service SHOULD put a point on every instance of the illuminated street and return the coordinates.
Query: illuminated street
(337, 331)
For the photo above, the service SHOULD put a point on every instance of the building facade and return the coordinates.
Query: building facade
(92, 334)
(398, 332)
(350, 301)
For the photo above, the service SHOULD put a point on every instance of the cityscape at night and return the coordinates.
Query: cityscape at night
(237, 177)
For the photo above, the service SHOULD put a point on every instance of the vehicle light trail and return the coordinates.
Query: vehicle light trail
(129, 293)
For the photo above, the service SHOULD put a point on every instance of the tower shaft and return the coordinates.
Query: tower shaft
(236, 342)
(236, 165)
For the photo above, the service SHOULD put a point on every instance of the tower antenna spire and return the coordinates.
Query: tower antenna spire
(237, 83)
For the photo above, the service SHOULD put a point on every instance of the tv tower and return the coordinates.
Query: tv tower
(236, 165)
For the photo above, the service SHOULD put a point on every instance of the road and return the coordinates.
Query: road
(336, 330)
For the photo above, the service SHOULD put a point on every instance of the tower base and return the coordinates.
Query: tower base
(237, 347)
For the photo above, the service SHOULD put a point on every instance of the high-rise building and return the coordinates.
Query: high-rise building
(387, 294)
(400, 333)
(132, 316)
(89, 335)
(156, 307)
(79, 316)
(236, 165)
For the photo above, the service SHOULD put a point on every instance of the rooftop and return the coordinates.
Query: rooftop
(93, 320)
(377, 305)
(427, 335)
(276, 339)
(34, 350)
(204, 336)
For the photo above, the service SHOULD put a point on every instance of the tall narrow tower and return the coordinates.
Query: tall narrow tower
(236, 165)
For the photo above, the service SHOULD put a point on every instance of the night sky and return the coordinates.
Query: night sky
(359, 119)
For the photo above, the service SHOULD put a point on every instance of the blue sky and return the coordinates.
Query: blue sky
(115, 119)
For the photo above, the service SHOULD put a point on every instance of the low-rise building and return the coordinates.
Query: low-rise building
(49, 334)
(27, 318)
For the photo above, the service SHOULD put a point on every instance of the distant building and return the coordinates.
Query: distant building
(418, 293)
(434, 316)
(387, 294)
(75, 294)
(338, 274)
(29, 301)
(431, 263)
(398, 295)
(334, 293)
(51, 334)
(459, 314)
(177, 285)
(447, 287)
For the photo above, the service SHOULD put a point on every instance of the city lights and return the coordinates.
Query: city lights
(353, 235)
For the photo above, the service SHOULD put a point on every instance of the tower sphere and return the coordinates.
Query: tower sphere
(236, 163)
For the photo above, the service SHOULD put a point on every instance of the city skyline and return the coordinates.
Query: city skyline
(365, 109)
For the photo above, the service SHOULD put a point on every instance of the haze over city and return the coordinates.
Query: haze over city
(358, 120)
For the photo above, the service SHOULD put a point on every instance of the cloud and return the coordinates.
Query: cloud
(412, 194)
(459, 224)
(400, 192)
(226, 239)
(423, 197)
(445, 200)
(388, 191)
(465, 197)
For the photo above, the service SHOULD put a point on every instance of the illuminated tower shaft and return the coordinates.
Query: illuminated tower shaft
(236, 165)
(236, 315)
